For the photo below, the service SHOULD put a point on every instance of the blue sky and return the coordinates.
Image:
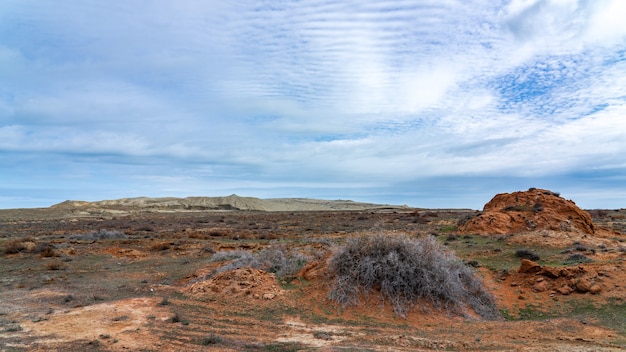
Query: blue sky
(425, 103)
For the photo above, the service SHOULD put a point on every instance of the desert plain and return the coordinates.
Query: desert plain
(145, 274)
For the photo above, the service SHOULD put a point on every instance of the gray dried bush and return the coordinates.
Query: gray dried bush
(275, 259)
(405, 270)
(577, 258)
(98, 235)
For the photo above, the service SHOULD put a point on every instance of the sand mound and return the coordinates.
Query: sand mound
(246, 282)
(535, 209)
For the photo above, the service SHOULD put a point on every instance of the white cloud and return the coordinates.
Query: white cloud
(560, 26)
(313, 94)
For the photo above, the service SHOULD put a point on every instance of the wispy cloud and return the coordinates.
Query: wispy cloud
(364, 100)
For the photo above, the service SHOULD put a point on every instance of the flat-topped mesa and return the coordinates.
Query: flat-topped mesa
(532, 210)
(231, 202)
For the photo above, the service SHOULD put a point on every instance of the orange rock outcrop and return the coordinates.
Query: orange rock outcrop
(535, 209)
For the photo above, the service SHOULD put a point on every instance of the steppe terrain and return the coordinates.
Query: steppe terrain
(146, 274)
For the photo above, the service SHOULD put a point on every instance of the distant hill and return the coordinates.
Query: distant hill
(232, 202)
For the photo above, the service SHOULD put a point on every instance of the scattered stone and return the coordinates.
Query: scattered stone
(269, 296)
(528, 266)
(552, 273)
(595, 289)
(583, 286)
(541, 286)
(565, 290)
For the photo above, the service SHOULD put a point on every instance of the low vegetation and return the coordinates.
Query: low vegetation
(98, 235)
(279, 260)
(527, 254)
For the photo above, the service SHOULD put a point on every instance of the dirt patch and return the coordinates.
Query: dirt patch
(118, 324)
(125, 253)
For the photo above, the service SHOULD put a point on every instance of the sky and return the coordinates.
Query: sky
(434, 104)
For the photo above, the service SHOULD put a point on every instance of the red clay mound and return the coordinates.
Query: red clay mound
(247, 282)
(535, 209)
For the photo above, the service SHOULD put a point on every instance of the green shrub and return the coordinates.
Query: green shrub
(527, 254)
(406, 270)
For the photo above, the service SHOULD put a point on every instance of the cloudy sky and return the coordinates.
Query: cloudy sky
(426, 103)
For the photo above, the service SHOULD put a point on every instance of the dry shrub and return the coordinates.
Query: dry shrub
(160, 246)
(55, 265)
(44, 249)
(275, 259)
(406, 270)
(98, 235)
(13, 246)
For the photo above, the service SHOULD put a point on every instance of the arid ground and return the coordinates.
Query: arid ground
(86, 277)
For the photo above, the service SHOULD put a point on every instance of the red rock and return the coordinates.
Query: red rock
(552, 273)
(583, 286)
(595, 289)
(566, 273)
(528, 266)
(541, 286)
(565, 290)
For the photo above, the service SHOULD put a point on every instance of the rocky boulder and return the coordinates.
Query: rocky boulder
(535, 209)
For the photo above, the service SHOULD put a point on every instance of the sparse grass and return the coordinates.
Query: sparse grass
(13, 328)
(164, 302)
(448, 228)
(406, 270)
(577, 258)
(210, 340)
(278, 347)
(323, 335)
(611, 314)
